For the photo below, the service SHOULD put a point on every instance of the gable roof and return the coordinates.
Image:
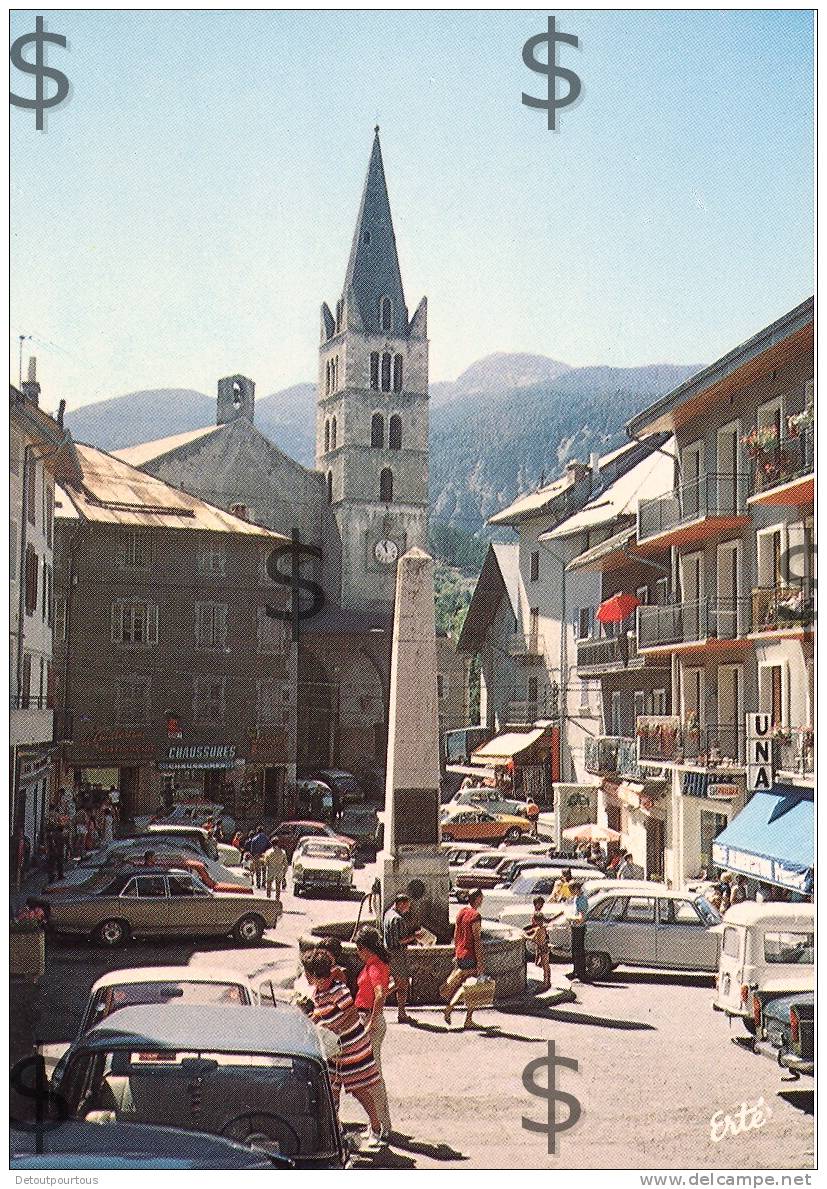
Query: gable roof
(499, 578)
(148, 451)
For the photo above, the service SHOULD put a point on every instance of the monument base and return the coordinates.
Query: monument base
(421, 872)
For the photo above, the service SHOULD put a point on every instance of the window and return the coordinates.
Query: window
(268, 707)
(659, 701)
(31, 492)
(153, 887)
(395, 432)
(584, 621)
(662, 592)
(211, 625)
(386, 485)
(272, 632)
(602, 911)
(326, 436)
(212, 555)
(134, 623)
(132, 700)
(26, 687)
(678, 912)
(731, 943)
(340, 309)
(377, 431)
(397, 373)
(534, 566)
(385, 313)
(60, 618)
(209, 700)
(48, 607)
(134, 549)
(374, 369)
(386, 372)
(789, 949)
(14, 453)
(639, 910)
(333, 433)
(32, 568)
(50, 513)
(330, 487)
(181, 885)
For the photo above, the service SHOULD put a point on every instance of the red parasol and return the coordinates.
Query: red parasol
(617, 608)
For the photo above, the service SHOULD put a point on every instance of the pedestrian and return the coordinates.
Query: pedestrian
(353, 1067)
(538, 933)
(726, 891)
(532, 812)
(79, 830)
(627, 869)
(55, 847)
(613, 864)
(739, 890)
(275, 866)
(150, 858)
(562, 887)
(372, 991)
(258, 844)
(468, 958)
(578, 934)
(398, 932)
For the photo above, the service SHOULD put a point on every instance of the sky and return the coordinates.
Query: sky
(188, 208)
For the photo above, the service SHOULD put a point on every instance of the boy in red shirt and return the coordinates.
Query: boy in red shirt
(467, 953)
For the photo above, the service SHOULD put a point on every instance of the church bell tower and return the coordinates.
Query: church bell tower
(372, 407)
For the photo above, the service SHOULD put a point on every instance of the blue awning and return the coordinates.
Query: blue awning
(772, 839)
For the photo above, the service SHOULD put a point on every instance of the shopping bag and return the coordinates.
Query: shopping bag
(451, 984)
(477, 992)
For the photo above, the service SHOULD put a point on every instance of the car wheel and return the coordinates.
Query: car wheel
(249, 929)
(513, 834)
(298, 890)
(598, 965)
(111, 934)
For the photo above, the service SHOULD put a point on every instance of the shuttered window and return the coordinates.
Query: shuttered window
(211, 624)
(134, 623)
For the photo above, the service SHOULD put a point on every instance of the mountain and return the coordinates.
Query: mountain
(507, 422)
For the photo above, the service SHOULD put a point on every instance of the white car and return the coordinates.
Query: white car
(324, 864)
(519, 910)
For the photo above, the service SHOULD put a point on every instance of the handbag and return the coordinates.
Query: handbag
(477, 992)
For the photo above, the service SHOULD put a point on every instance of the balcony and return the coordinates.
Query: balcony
(785, 609)
(708, 622)
(530, 647)
(614, 755)
(784, 466)
(32, 720)
(794, 753)
(608, 654)
(668, 739)
(695, 511)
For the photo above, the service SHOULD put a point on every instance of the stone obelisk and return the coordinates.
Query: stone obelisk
(412, 860)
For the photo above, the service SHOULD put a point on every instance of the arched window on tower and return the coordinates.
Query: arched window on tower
(385, 313)
(330, 487)
(374, 369)
(340, 308)
(386, 372)
(386, 485)
(397, 373)
(326, 436)
(327, 378)
(333, 434)
(377, 431)
(395, 432)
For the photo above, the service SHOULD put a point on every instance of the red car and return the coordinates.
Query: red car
(289, 834)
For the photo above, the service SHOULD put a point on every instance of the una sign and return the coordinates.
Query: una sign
(759, 752)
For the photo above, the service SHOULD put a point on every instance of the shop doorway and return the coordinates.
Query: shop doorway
(655, 848)
(274, 793)
(711, 826)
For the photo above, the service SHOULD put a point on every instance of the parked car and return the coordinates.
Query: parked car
(482, 870)
(345, 783)
(580, 868)
(77, 1145)
(785, 1030)
(154, 902)
(324, 864)
(460, 852)
(289, 834)
(465, 824)
(490, 799)
(212, 873)
(661, 929)
(191, 813)
(256, 1076)
(766, 950)
(316, 792)
(531, 882)
(194, 833)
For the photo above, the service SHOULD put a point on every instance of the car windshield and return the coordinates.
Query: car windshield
(109, 999)
(791, 949)
(280, 1104)
(318, 850)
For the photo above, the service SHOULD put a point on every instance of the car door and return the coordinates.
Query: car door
(681, 937)
(630, 931)
(192, 908)
(146, 904)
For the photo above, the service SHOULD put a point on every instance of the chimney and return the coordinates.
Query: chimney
(61, 409)
(236, 398)
(239, 510)
(31, 388)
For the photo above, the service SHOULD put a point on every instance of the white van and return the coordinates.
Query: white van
(765, 948)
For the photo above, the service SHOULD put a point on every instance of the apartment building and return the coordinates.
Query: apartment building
(736, 625)
(39, 451)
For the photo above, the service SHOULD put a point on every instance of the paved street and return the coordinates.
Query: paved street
(655, 1064)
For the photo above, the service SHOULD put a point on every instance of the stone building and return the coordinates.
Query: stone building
(364, 505)
(174, 665)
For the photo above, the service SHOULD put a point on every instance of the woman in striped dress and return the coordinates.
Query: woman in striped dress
(354, 1067)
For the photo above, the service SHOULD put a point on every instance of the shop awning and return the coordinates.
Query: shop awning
(506, 747)
(468, 770)
(772, 839)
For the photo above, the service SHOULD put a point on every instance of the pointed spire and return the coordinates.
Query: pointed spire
(373, 270)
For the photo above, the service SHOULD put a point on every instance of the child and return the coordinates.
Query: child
(538, 933)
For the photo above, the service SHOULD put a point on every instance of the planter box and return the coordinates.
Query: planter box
(27, 954)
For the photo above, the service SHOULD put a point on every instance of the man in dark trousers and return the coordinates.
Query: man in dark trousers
(578, 934)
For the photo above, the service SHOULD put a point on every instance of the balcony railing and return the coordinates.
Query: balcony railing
(790, 457)
(710, 495)
(668, 739)
(611, 652)
(527, 645)
(795, 751)
(775, 608)
(613, 755)
(686, 623)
